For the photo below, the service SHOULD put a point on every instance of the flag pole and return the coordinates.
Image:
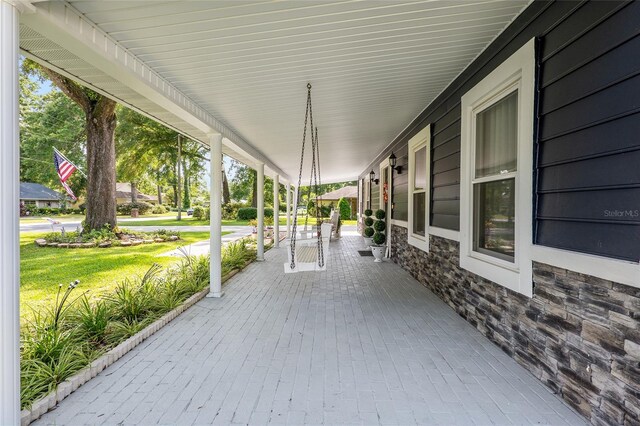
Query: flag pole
(77, 168)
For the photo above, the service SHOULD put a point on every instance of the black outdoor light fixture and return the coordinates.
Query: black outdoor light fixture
(393, 161)
(372, 177)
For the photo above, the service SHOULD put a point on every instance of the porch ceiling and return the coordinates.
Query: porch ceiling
(373, 65)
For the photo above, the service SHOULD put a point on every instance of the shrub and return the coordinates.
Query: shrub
(199, 213)
(379, 238)
(159, 209)
(143, 208)
(345, 209)
(249, 213)
(368, 232)
(230, 210)
(368, 222)
(379, 226)
(311, 208)
(368, 212)
(380, 214)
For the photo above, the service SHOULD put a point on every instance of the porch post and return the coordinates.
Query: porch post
(9, 222)
(215, 217)
(260, 203)
(276, 211)
(288, 210)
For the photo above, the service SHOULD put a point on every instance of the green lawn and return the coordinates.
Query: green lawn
(42, 269)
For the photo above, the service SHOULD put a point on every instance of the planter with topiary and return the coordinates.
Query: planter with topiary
(379, 247)
(368, 231)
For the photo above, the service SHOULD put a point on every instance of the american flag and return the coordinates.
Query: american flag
(65, 169)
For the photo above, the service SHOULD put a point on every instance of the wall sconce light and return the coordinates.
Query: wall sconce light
(372, 177)
(393, 161)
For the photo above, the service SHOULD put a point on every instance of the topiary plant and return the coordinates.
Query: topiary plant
(368, 222)
(368, 212)
(380, 227)
(379, 238)
(368, 232)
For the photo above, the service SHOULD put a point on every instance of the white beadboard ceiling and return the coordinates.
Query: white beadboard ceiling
(374, 65)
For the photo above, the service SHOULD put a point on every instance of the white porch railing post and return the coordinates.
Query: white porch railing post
(288, 210)
(260, 204)
(276, 211)
(9, 221)
(215, 209)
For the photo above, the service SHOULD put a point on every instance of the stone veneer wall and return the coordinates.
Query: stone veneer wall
(580, 335)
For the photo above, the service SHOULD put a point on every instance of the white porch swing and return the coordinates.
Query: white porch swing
(309, 254)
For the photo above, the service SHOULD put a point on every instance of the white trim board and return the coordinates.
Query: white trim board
(615, 270)
(444, 233)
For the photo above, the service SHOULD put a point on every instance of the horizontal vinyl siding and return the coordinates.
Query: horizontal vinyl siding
(401, 186)
(588, 147)
(588, 189)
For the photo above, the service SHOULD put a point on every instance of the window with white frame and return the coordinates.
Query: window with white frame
(496, 173)
(419, 184)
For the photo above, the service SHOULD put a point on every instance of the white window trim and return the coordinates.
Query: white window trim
(381, 205)
(400, 223)
(421, 139)
(444, 233)
(515, 73)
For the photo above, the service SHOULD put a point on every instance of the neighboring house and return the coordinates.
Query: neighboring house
(350, 193)
(36, 195)
(123, 195)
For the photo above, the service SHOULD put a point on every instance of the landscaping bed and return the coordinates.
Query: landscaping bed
(105, 238)
(82, 334)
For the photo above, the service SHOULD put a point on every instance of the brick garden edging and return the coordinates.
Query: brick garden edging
(64, 389)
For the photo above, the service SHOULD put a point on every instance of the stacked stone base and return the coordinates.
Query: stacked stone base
(579, 334)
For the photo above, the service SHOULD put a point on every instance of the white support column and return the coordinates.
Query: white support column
(276, 211)
(260, 204)
(9, 221)
(215, 208)
(288, 210)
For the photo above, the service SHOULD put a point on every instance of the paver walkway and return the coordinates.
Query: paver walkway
(361, 343)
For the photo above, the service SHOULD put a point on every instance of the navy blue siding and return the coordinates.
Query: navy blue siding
(588, 149)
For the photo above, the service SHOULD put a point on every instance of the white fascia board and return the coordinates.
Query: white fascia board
(65, 26)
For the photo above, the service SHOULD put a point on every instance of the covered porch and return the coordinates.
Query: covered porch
(362, 343)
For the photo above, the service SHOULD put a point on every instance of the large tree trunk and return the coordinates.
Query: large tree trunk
(134, 193)
(226, 194)
(101, 165)
(175, 195)
(254, 189)
(100, 113)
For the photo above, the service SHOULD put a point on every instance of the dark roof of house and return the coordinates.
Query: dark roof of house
(344, 192)
(123, 190)
(35, 191)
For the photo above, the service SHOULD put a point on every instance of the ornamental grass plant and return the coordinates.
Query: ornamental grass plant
(62, 339)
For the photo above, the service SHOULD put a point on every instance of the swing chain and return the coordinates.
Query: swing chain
(294, 229)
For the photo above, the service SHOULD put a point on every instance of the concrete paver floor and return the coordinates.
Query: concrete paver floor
(361, 343)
